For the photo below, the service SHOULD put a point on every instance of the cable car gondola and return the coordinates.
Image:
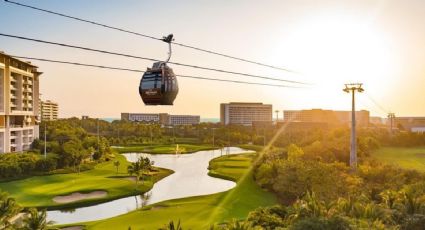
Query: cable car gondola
(158, 85)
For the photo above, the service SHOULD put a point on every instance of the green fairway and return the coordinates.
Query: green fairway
(163, 149)
(200, 212)
(38, 191)
(409, 158)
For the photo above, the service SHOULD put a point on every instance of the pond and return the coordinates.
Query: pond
(190, 178)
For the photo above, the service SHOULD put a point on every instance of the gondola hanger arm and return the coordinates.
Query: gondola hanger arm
(168, 39)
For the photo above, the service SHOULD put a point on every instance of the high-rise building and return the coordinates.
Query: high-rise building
(162, 118)
(19, 104)
(326, 116)
(241, 113)
(48, 110)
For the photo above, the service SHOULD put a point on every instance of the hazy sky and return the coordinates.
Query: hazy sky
(379, 43)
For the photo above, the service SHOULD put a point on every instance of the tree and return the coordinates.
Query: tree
(294, 152)
(8, 209)
(117, 164)
(139, 167)
(36, 220)
(172, 226)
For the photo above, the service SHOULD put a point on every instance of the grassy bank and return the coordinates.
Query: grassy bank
(163, 149)
(409, 158)
(200, 212)
(38, 191)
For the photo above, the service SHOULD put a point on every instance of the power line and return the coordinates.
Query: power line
(376, 103)
(149, 59)
(149, 36)
(142, 71)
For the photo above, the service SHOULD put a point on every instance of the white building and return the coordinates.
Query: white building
(49, 110)
(183, 120)
(239, 113)
(162, 118)
(141, 117)
(19, 104)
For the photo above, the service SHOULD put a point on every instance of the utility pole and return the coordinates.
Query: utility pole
(150, 132)
(213, 132)
(391, 116)
(98, 136)
(45, 140)
(277, 115)
(353, 88)
(174, 136)
(228, 144)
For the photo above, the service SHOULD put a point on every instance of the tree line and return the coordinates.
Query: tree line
(69, 148)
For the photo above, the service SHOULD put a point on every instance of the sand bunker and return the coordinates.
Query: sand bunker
(76, 196)
(73, 228)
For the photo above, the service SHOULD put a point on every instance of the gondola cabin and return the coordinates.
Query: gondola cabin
(158, 85)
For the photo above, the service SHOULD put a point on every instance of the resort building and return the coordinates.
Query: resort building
(48, 110)
(411, 124)
(240, 113)
(19, 104)
(162, 118)
(330, 117)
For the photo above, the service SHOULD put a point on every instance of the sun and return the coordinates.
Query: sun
(331, 51)
(338, 49)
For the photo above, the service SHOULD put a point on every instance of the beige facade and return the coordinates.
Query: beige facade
(412, 124)
(162, 118)
(49, 110)
(239, 113)
(19, 105)
(326, 116)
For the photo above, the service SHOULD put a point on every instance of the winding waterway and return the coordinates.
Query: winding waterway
(190, 178)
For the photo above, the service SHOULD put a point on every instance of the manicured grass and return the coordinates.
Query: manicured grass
(409, 158)
(163, 149)
(257, 148)
(38, 191)
(201, 211)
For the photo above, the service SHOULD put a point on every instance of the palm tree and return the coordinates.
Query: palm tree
(8, 209)
(145, 165)
(36, 220)
(134, 169)
(140, 166)
(117, 164)
(172, 226)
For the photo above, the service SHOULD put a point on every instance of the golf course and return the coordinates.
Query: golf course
(200, 211)
(163, 148)
(408, 158)
(104, 180)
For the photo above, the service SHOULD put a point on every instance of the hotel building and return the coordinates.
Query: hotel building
(330, 117)
(238, 113)
(49, 110)
(19, 104)
(162, 118)
(411, 124)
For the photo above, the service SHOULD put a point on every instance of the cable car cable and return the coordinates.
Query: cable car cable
(150, 59)
(151, 37)
(142, 71)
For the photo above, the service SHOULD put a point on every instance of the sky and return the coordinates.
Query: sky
(328, 43)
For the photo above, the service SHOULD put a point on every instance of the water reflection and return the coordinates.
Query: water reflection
(190, 178)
